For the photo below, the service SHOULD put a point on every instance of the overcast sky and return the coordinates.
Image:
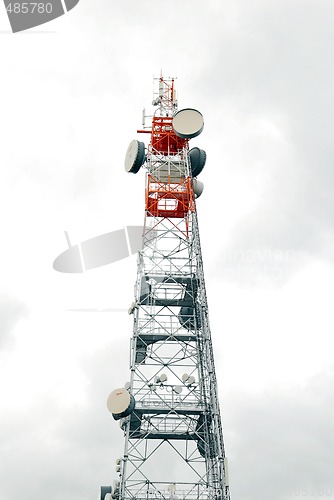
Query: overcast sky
(72, 93)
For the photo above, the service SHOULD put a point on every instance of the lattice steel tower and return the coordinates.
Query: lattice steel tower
(169, 411)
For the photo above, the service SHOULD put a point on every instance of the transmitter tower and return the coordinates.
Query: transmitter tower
(169, 411)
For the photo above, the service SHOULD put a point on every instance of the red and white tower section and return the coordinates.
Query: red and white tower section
(169, 411)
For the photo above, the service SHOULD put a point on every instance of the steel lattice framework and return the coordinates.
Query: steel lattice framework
(173, 444)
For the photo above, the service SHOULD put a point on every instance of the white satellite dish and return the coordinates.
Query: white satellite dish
(135, 156)
(198, 187)
(177, 389)
(188, 123)
(119, 401)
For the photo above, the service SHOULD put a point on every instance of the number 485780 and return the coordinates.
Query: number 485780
(29, 8)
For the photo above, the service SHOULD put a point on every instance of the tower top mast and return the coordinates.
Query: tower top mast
(165, 98)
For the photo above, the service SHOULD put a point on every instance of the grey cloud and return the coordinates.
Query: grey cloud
(280, 443)
(277, 68)
(65, 451)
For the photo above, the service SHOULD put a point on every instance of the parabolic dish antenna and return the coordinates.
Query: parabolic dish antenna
(198, 187)
(118, 401)
(188, 123)
(177, 389)
(197, 159)
(135, 156)
(105, 492)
